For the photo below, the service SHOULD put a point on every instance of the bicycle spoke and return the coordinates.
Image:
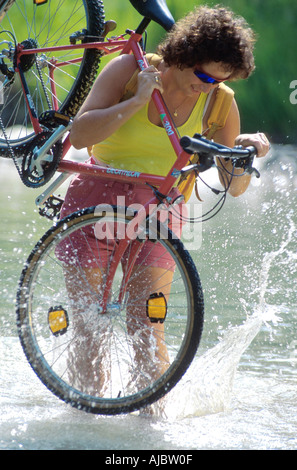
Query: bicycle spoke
(112, 358)
(47, 25)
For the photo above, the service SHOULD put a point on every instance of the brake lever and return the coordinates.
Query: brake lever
(246, 163)
(204, 163)
(252, 170)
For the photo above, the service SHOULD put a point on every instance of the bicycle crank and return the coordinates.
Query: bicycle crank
(37, 169)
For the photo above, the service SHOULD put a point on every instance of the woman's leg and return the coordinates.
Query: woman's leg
(88, 363)
(151, 355)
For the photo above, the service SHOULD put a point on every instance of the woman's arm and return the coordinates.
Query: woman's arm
(102, 113)
(230, 136)
(227, 136)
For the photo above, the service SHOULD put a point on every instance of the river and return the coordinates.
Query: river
(240, 393)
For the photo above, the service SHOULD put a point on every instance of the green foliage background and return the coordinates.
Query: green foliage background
(263, 99)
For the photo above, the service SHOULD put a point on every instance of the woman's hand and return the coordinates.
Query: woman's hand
(103, 112)
(258, 140)
(149, 80)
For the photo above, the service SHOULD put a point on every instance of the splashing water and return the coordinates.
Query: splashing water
(207, 386)
(236, 395)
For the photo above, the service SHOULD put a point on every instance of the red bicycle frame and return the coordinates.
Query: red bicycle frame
(125, 47)
(164, 183)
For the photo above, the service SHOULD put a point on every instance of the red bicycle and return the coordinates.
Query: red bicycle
(58, 333)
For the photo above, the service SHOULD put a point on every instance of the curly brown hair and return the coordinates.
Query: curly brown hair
(211, 35)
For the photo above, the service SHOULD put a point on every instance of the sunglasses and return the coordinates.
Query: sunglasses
(207, 78)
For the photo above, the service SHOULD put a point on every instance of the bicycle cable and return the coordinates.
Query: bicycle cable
(217, 206)
(219, 203)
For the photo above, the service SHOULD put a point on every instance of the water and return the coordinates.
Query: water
(240, 392)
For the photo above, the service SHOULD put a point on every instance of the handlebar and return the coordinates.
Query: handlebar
(207, 150)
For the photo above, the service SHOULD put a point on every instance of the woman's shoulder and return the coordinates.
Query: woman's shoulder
(111, 81)
(124, 65)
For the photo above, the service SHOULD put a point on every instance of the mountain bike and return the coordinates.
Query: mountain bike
(116, 349)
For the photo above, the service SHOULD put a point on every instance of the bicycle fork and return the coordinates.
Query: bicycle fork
(144, 220)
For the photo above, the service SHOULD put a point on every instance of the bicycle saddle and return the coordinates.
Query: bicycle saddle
(156, 10)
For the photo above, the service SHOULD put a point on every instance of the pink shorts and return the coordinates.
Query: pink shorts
(88, 191)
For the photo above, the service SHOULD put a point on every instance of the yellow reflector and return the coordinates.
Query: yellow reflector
(156, 307)
(58, 320)
(39, 2)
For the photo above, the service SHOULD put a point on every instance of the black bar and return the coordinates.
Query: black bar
(143, 25)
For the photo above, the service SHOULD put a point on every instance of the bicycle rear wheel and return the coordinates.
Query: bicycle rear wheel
(46, 25)
(124, 358)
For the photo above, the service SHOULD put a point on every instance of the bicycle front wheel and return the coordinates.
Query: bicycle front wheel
(130, 354)
(55, 23)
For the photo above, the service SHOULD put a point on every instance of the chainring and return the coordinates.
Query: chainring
(36, 175)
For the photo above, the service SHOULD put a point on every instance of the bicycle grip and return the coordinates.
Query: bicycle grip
(185, 142)
(252, 150)
(198, 144)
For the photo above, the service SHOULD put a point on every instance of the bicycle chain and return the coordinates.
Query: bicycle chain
(9, 148)
(24, 152)
(30, 177)
(42, 83)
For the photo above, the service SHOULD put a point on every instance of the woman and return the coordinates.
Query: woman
(207, 47)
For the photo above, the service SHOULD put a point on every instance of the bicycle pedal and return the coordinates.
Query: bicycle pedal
(52, 207)
(58, 320)
(156, 307)
(53, 118)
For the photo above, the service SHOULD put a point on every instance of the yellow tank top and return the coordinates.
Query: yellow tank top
(141, 146)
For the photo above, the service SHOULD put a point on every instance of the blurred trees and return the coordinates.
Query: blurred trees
(263, 99)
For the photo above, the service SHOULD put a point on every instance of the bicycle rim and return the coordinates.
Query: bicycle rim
(119, 360)
(50, 24)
